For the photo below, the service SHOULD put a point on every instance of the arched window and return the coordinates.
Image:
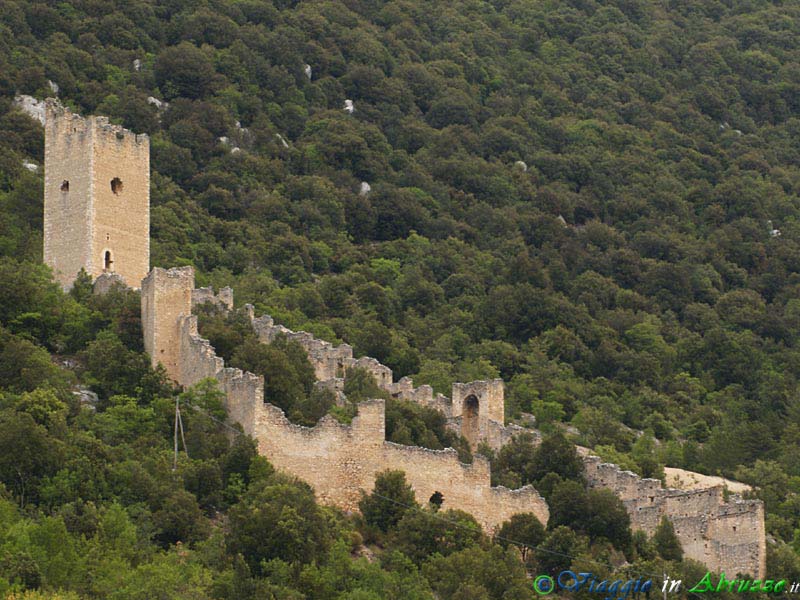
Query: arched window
(116, 185)
(65, 185)
(107, 262)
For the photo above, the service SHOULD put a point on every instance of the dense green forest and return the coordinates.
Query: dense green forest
(595, 200)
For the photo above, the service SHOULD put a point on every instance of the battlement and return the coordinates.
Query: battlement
(340, 461)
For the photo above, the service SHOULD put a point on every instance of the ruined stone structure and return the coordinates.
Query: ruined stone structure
(339, 461)
(97, 218)
(724, 535)
(475, 410)
(96, 198)
(206, 295)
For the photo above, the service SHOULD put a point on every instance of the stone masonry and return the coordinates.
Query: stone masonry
(96, 198)
(339, 461)
(726, 536)
(97, 218)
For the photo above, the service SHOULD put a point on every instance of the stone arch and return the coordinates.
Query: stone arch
(470, 422)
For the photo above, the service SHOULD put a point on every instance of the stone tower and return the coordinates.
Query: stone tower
(96, 198)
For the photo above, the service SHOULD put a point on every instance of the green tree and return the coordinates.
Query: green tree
(666, 542)
(389, 501)
(278, 519)
(522, 528)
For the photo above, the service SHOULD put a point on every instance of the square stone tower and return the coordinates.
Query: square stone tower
(96, 198)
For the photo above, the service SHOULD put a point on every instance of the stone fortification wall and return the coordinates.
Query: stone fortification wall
(340, 461)
(725, 536)
(206, 295)
(404, 390)
(475, 411)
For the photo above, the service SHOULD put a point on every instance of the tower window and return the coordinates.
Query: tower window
(107, 262)
(65, 186)
(116, 185)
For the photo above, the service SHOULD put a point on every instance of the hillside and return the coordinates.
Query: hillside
(596, 201)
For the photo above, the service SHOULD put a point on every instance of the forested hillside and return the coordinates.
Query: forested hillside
(594, 200)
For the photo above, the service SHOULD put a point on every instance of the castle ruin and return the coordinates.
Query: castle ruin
(96, 198)
(92, 224)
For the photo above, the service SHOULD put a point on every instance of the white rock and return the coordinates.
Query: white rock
(32, 167)
(737, 131)
(307, 70)
(282, 140)
(349, 107)
(562, 220)
(137, 64)
(53, 86)
(521, 165)
(235, 150)
(156, 102)
(31, 107)
(224, 139)
(364, 189)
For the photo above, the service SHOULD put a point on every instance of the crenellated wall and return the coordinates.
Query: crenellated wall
(341, 461)
(724, 535)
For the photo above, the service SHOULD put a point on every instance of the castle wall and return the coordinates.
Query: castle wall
(725, 536)
(341, 461)
(338, 461)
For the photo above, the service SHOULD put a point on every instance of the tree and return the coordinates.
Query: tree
(556, 552)
(27, 455)
(478, 572)
(389, 500)
(607, 518)
(288, 375)
(522, 528)
(557, 455)
(184, 70)
(277, 519)
(666, 542)
(423, 533)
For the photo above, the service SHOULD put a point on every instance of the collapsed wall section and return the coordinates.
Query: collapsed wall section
(724, 535)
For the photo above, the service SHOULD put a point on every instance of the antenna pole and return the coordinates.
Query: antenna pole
(175, 436)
